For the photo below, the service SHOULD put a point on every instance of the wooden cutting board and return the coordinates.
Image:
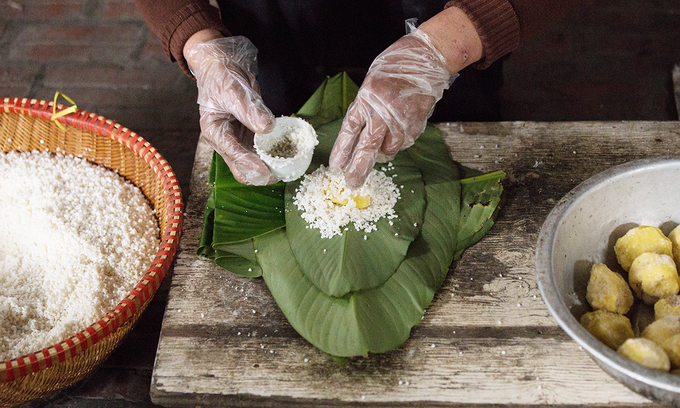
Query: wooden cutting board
(487, 338)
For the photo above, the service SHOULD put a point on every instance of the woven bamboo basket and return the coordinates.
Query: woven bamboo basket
(27, 124)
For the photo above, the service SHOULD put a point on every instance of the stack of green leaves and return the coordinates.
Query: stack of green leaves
(355, 293)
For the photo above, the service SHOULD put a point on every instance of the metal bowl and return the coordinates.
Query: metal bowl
(581, 230)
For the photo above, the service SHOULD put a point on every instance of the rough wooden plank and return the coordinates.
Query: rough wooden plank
(676, 87)
(491, 366)
(486, 339)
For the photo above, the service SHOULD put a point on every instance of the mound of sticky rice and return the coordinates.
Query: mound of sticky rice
(76, 238)
(319, 194)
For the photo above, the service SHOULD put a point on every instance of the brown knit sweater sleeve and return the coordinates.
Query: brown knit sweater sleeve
(174, 21)
(503, 24)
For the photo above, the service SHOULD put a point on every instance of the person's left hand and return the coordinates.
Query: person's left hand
(392, 107)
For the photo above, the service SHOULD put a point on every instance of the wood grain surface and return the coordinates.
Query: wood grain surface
(486, 339)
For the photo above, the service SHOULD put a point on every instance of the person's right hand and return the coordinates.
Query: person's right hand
(231, 108)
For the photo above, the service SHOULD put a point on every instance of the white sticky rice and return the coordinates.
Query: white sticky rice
(288, 149)
(313, 198)
(76, 238)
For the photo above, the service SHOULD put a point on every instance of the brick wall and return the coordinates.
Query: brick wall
(102, 55)
(606, 60)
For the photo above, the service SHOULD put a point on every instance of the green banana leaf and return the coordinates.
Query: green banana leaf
(359, 296)
(481, 197)
(238, 257)
(379, 319)
(329, 102)
(234, 215)
(339, 265)
(205, 240)
(374, 320)
(242, 211)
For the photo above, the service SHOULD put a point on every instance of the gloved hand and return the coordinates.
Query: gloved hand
(231, 108)
(391, 109)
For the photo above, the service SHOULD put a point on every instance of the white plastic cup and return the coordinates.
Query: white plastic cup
(300, 135)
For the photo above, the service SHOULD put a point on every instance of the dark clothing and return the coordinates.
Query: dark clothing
(301, 42)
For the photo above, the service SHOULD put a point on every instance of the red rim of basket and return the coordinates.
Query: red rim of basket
(144, 290)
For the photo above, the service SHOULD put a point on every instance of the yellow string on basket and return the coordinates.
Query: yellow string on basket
(56, 115)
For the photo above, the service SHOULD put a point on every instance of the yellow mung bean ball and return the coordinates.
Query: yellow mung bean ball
(608, 290)
(639, 240)
(667, 306)
(672, 348)
(659, 330)
(645, 352)
(612, 329)
(674, 236)
(653, 275)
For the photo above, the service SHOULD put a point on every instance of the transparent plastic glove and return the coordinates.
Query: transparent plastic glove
(392, 107)
(231, 108)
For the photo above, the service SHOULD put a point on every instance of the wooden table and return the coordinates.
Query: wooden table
(487, 338)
